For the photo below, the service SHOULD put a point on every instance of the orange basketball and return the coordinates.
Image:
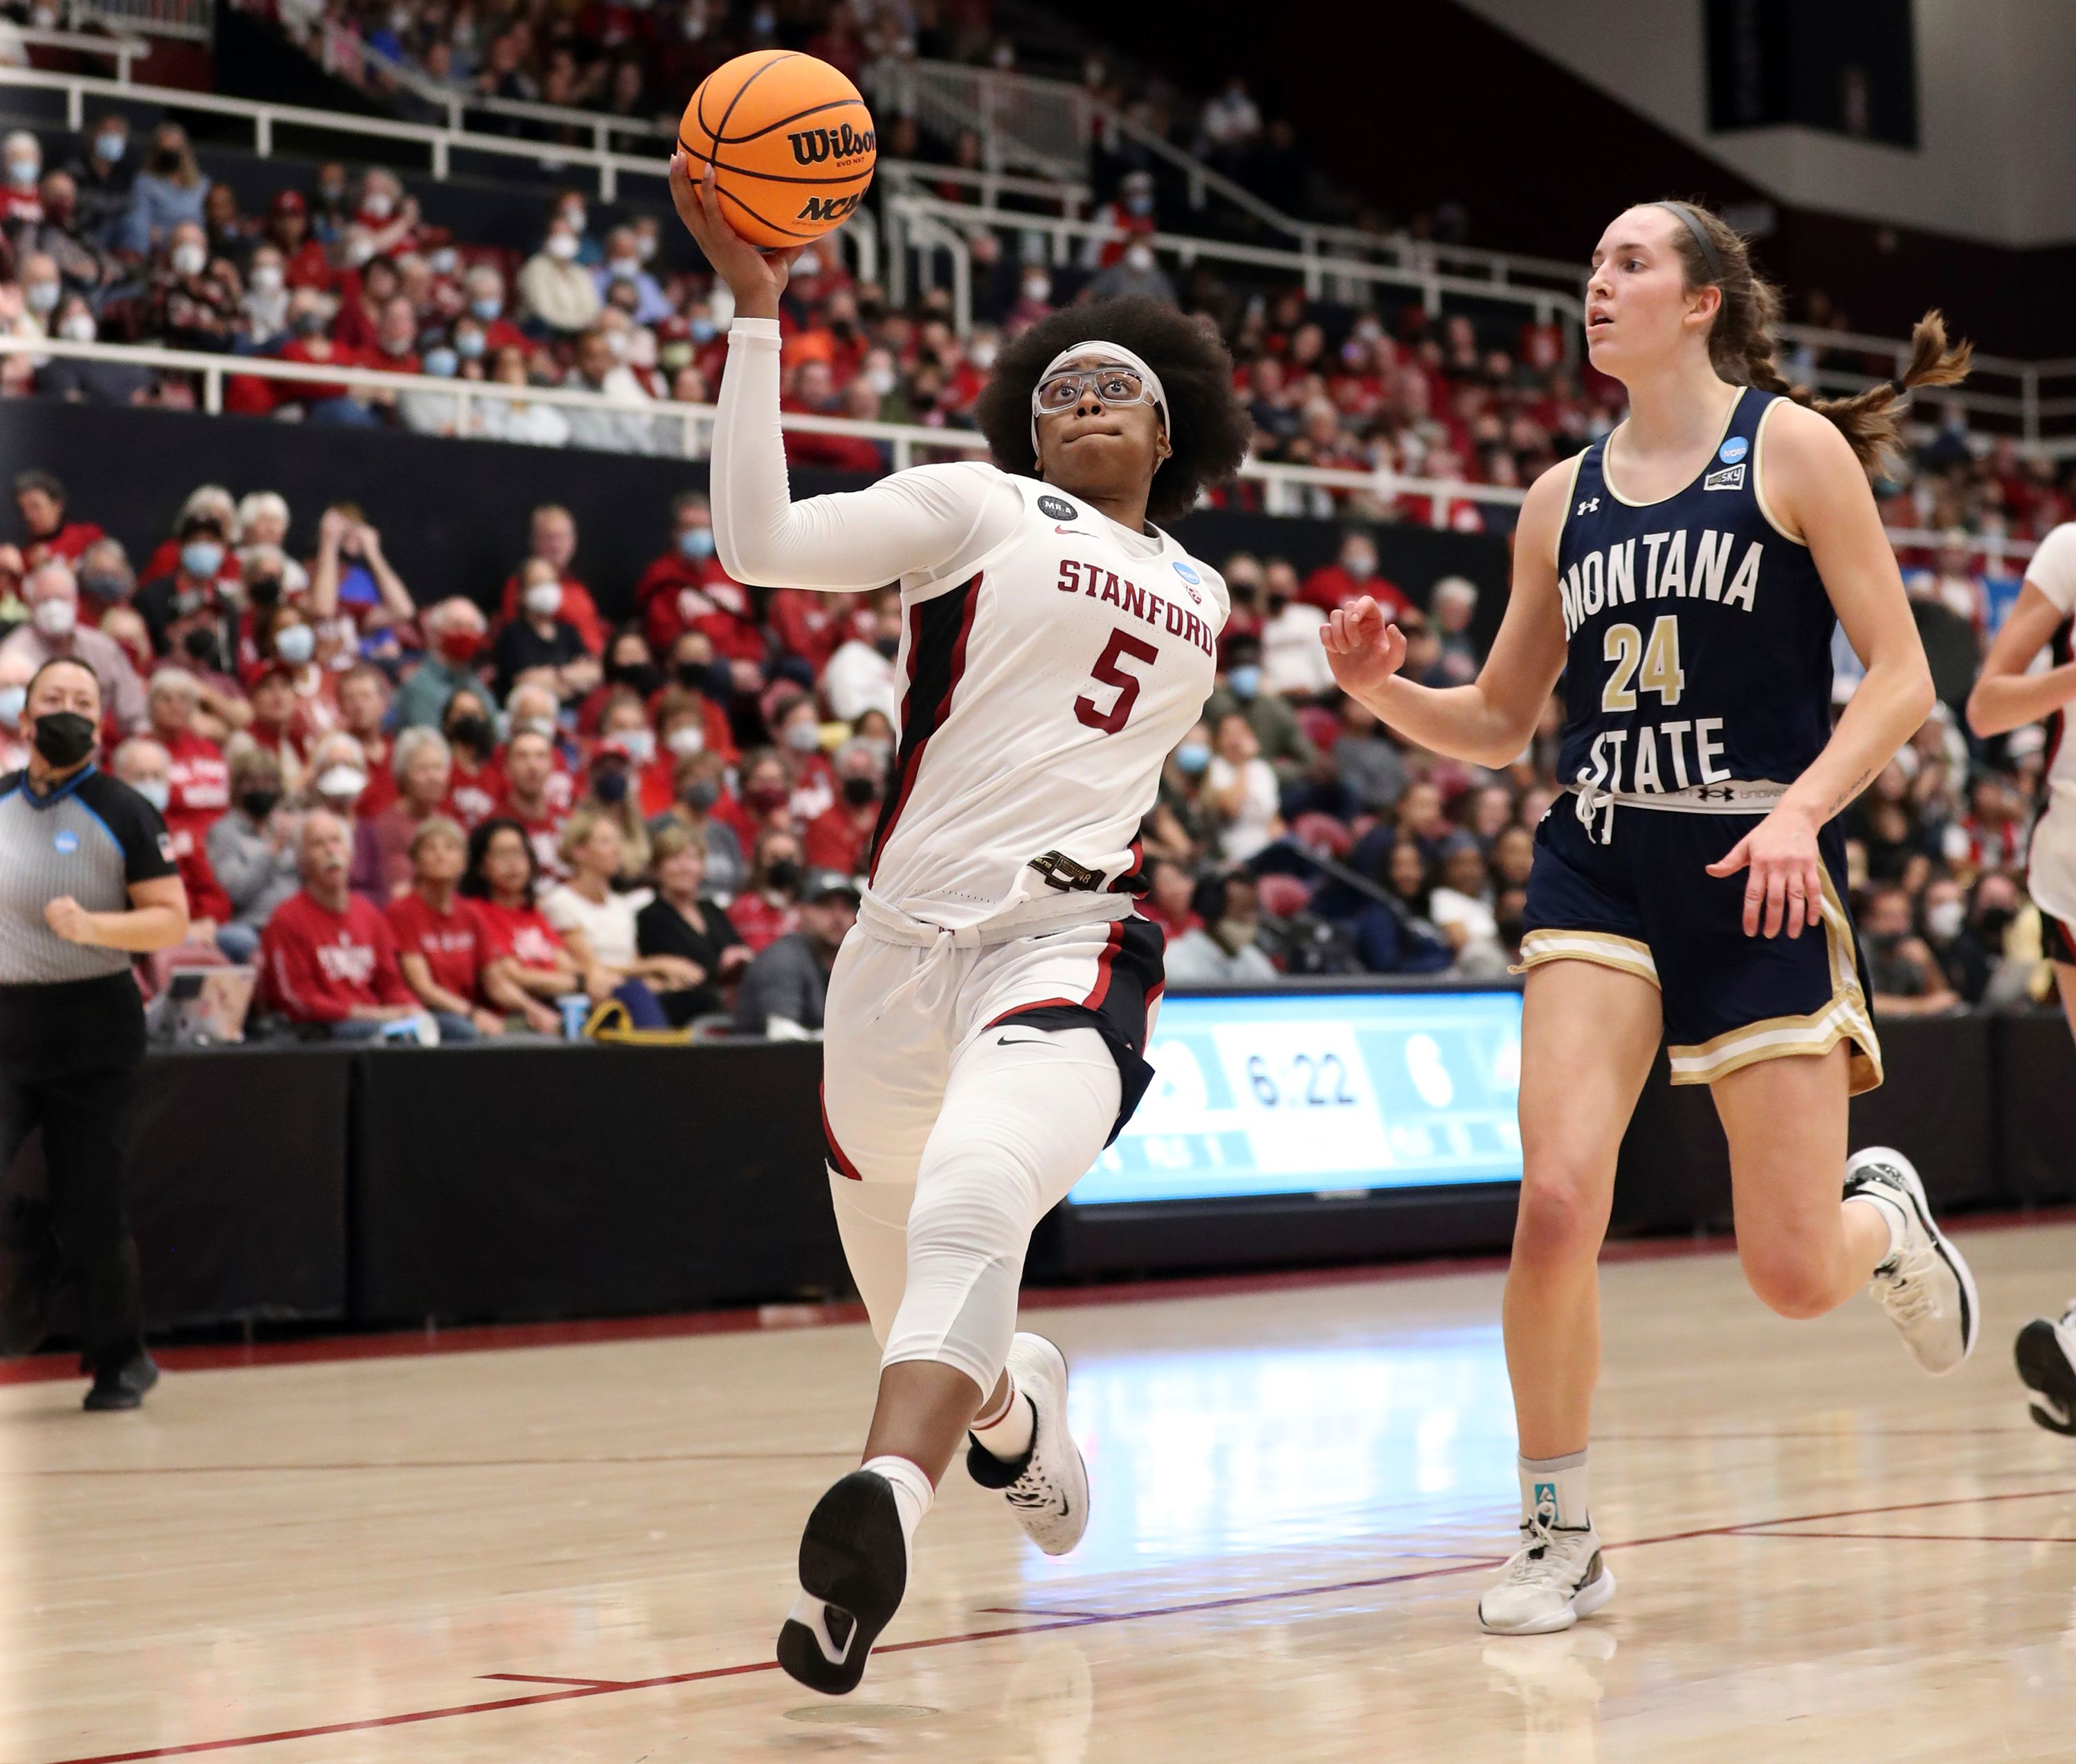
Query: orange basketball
(791, 143)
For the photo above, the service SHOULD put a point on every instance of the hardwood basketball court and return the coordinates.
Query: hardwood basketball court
(582, 1552)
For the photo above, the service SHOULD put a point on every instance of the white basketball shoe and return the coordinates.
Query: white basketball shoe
(1925, 1286)
(1048, 1488)
(1556, 1577)
(2046, 1354)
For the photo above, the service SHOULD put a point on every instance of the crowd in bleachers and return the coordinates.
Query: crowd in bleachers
(486, 811)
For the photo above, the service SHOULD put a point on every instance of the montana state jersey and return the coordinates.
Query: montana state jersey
(1698, 634)
(1697, 687)
(1042, 686)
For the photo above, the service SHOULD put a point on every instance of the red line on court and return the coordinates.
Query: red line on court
(1910, 1537)
(543, 1678)
(586, 1688)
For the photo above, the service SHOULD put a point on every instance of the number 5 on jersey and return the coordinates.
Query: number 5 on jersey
(1660, 673)
(1107, 672)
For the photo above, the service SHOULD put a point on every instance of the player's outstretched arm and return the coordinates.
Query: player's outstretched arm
(1489, 721)
(2007, 694)
(915, 521)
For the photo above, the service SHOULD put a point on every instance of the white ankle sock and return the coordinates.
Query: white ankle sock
(1009, 1435)
(912, 1492)
(1892, 1214)
(1556, 1482)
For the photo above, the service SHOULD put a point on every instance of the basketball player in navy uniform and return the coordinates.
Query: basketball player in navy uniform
(988, 1015)
(1684, 576)
(2012, 691)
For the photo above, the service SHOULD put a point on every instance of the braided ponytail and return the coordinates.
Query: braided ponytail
(1745, 351)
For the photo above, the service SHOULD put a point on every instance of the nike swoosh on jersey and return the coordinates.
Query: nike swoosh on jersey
(1076, 530)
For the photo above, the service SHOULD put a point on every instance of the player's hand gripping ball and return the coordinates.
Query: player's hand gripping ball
(790, 142)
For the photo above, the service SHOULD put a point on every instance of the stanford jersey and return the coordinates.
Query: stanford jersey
(1044, 685)
(451, 942)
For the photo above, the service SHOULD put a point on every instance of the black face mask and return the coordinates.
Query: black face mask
(1991, 925)
(610, 786)
(641, 676)
(860, 792)
(259, 804)
(63, 737)
(200, 644)
(700, 795)
(264, 590)
(784, 876)
(473, 732)
(888, 646)
(694, 674)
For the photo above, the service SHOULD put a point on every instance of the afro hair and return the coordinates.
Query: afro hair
(1208, 427)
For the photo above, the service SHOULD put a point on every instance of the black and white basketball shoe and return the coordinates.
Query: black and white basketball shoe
(1925, 1286)
(1048, 1488)
(2046, 1354)
(854, 1570)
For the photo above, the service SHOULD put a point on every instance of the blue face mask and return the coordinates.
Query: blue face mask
(486, 309)
(702, 329)
(696, 542)
(1193, 757)
(12, 698)
(1245, 680)
(441, 364)
(469, 344)
(109, 148)
(202, 557)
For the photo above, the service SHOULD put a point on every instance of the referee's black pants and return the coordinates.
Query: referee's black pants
(69, 1058)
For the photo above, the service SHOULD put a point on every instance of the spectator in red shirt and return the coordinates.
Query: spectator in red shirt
(313, 343)
(143, 765)
(477, 785)
(439, 937)
(552, 538)
(1352, 575)
(839, 837)
(279, 722)
(328, 960)
(1169, 902)
(770, 907)
(41, 499)
(424, 766)
(764, 804)
(813, 625)
(686, 589)
(360, 311)
(529, 803)
(303, 261)
(198, 782)
(692, 667)
(526, 966)
(363, 702)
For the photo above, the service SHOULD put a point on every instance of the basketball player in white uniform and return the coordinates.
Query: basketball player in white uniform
(2018, 687)
(987, 1018)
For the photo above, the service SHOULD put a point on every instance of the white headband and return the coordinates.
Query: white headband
(1113, 353)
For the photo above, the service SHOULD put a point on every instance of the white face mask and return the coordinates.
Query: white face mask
(189, 259)
(55, 618)
(1944, 919)
(562, 246)
(1138, 258)
(155, 791)
(686, 738)
(295, 644)
(266, 278)
(378, 205)
(24, 170)
(42, 296)
(644, 247)
(638, 744)
(544, 599)
(575, 216)
(982, 355)
(341, 783)
(881, 379)
(78, 329)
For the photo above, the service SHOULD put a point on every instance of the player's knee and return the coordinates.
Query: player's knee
(1788, 1278)
(1562, 1217)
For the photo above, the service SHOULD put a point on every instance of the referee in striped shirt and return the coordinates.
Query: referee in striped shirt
(87, 879)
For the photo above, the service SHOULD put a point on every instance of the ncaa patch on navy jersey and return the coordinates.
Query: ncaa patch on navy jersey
(1058, 507)
(1733, 449)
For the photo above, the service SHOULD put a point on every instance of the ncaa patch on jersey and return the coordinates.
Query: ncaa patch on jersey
(1730, 478)
(1185, 572)
(1058, 507)
(66, 841)
(1733, 449)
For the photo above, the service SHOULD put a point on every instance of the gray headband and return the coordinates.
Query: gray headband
(1709, 255)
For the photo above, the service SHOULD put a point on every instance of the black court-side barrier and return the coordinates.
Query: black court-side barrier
(388, 1186)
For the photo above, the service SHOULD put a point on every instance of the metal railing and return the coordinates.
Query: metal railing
(1039, 125)
(193, 20)
(925, 225)
(2035, 400)
(121, 50)
(686, 430)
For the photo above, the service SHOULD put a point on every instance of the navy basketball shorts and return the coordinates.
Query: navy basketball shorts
(1644, 903)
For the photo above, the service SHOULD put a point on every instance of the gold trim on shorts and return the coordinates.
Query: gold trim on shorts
(1846, 1017)
(1625, 955)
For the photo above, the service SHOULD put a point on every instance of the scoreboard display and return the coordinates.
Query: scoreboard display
(1320, 1093)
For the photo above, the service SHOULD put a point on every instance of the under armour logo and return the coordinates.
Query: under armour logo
(1591, 505)
(1715, 793)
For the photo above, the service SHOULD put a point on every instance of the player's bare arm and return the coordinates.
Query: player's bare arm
(1490, 720)
(2006, 695)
